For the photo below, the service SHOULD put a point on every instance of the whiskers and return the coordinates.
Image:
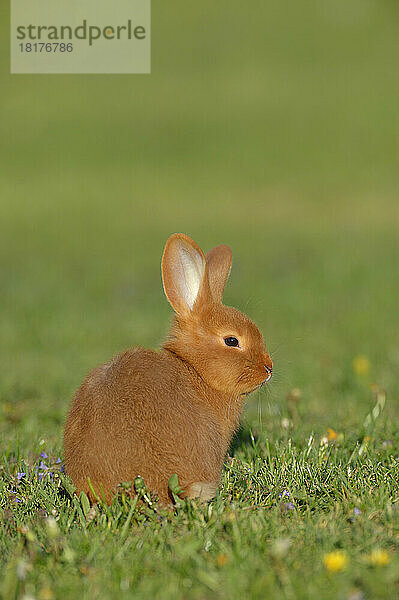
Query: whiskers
(269, 398)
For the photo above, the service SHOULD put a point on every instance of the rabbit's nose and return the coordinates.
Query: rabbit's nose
(269, 372)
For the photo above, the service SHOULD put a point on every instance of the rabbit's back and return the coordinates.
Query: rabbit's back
(142, 413)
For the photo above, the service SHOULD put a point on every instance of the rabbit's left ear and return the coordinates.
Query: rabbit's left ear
(185, 275)
(219, 261)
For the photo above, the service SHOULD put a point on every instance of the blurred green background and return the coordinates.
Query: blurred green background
(271, 126)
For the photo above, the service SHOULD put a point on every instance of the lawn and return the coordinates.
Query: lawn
(275, 130)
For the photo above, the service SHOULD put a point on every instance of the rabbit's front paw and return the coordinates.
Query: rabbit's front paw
(203, 490)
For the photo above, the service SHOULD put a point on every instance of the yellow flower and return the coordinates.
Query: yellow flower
(221, 560)
(379, 558)
(46, 594)
(335, 561)
(331, 434)
(361, 365)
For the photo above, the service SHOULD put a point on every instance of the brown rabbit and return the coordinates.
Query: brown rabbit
(173, 411)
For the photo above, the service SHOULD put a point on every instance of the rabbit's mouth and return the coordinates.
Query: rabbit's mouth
(257, 387)
(262, 383)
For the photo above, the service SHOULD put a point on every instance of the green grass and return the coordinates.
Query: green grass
(285, 502)
(273, 129)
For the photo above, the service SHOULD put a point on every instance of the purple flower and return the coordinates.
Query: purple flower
(44, 473)
(58, 461)
(16, 499)
(43, 454)
(284, 493)
(20, 475)
(43, 468)
(286, 506)
(357, 511)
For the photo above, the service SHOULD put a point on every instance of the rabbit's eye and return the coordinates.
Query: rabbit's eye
(231, 341)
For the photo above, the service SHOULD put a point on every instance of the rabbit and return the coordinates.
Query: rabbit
(157, 413)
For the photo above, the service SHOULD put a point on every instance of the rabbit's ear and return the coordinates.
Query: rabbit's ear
(184, 274)
(219, 265)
